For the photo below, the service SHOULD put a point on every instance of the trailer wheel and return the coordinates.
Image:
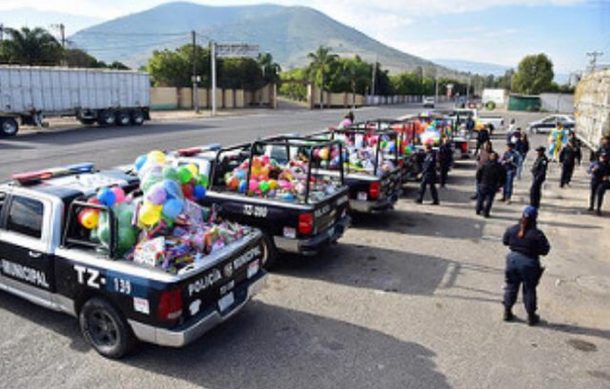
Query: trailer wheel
(106, 118)
(137, 117)
(105, 329)
(86, 121)
(270, 253)
(123, 118)
(8, 127)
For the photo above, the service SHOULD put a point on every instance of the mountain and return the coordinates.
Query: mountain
(288, 33)
(473, 67)
(30, 17)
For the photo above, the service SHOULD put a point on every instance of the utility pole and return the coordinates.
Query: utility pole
(594, 55)
(1, 32)
(62, 33)
(374, 77)
(213, 60)
(195, 77)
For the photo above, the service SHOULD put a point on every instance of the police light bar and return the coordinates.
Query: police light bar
(190, 151)
(41, 175)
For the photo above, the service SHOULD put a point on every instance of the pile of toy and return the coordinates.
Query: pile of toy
(286, 182)
(430, 130)
(164, 227)
(361, 152)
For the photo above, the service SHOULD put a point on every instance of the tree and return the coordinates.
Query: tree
(175, 67)
(534, 75)
(31, 47)
(271, 70)
(321, 61)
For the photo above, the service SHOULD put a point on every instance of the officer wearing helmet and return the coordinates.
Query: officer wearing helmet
(526, 243)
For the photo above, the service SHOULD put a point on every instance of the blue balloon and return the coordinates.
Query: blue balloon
(172, 208)
(241, 174)
(243, 185)
(288, 197)
(140, 161)
(173, 189)
(199, 192)
(106, 197)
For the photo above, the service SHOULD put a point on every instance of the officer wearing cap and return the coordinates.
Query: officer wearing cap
(539, 176)
(600, 181)
(526, 243)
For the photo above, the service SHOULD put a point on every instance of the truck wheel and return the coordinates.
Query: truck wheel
(123, 118)
(105, 329)
(106, 118)
(8, 127)
(270, 252)
(137, 118)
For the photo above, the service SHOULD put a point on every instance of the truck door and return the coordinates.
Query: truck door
(25, 263)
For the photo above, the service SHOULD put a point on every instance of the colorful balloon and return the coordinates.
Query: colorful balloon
(88, 218)
(106, 197)
(119, 194)
(184, 174)
(150, 214)
(193, 169)
(156, 156)
(172, 208)
(156, 194)
(140, 161)
(199, 192)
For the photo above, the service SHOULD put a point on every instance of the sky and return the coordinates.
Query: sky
(492, 31)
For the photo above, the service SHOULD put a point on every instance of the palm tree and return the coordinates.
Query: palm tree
(271, 70)
(320, 63)
(31, 47)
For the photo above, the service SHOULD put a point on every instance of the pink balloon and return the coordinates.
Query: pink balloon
(119, 194)
(253, 185)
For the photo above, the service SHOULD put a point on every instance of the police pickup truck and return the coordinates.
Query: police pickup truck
(303, 226)
(377, 186)
(48, 258)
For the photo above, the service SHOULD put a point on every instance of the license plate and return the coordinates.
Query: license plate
(226, 301)
(253, 269)
(362, 196)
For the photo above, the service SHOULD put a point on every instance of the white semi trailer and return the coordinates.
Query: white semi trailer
(592, 102)
(106, 97)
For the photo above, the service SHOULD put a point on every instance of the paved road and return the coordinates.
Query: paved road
(117, 145)
(410, 299)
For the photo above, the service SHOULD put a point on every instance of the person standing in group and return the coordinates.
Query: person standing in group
(490, 178)
(445, 160)
(348, 120)
(428, 176)
(482, 137)
(600, 181)
(604, 147)
(522, 146)
(526, 243)
(510, 162)
(482, 159)
(569, 156)
(470, 124)
(539, 176)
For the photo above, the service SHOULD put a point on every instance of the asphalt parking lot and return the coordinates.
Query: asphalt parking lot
(407, 299)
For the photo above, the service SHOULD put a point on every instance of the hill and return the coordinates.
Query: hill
(30, 17)
(473, 67)
(289, 33)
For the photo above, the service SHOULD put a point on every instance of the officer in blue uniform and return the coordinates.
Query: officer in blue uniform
(539, 176)
(527, 243)
(445, 160)
(600, 181)
(428, 177)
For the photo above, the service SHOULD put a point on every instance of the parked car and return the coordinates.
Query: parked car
(428, 102)
(546, 124)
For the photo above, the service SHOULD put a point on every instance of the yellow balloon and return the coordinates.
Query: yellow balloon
(193, 169)
(150, 214)
(272, 184)
(157, 156)
(89, 218)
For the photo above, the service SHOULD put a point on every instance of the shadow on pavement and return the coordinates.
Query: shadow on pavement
(7, 145)
(88, 134)
(576, 330)
(383, 270)
(266, 346)
(294, 350)
(422, 223)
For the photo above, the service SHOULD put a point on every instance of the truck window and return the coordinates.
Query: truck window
(25, 216)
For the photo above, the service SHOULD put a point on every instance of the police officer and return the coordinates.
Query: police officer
(510, 160)
(604, 147)
(539, 176)
(428, 176)
(568, 157)
(490, 177)
(445, 160)
(482, 137)
(527, 243)
(600, 182)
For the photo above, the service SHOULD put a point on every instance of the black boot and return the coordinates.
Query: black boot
(508, 315)
(533, 319)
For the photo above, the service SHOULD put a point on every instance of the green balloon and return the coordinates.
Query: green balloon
(103, 234)
(149, 181)
(263, 186)
(94, 235)
(127, 239)
(203, 180)
(125, 216)
(184, 174)
(169, 173)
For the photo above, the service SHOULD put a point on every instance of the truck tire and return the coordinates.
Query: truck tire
(106, 118)
(123, 118)
(105, 329)
(270, 253)
(8, 127)
(137, 117)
